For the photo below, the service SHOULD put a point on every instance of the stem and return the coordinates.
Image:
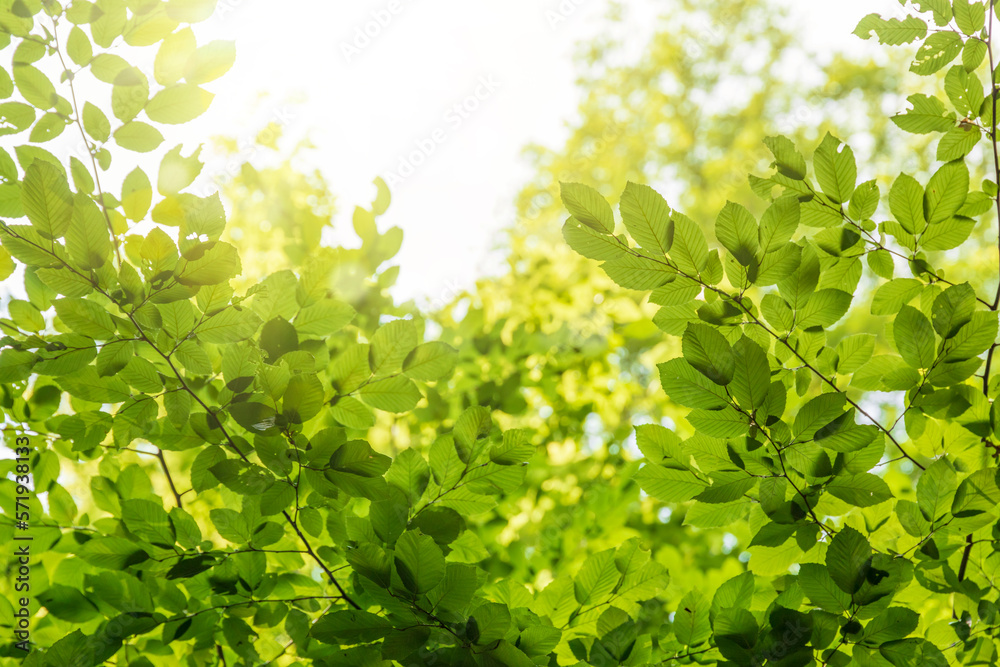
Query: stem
(996, 149)
(170, 479)
(86, 141)
(965, 557)
(996, 300)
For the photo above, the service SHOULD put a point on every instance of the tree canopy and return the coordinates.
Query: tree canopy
(762, 432)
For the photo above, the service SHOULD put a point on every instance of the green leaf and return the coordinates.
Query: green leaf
(148, 520)
(228, 326)
(179, 103)
(863, 490)
(836, 169)
(737, 230)
(977, 493)
(210, 62)
(964, 90)
(914, 337)
(596, 578)
(48, 127)
(724, 423)
(138, 136)
(969, 16)
(727, 486)
(67, 604)
(78, 47)
(736, 633)
(815, 581)
(430, 361)
(752, 375)
(112, 553)
(936, 52)
(893, 623)
(278, 337)
(588, 206)
(46, 199)
(82, 180)
(191, 11)
(853, 352)
(974, 338)
(473, 424)
(231, 525)
(824, 308)
(647, 218)
(86, 384)
(35, 87)
(515, 448)
(87, 238)
(657, 442)
(208, 263)
(926, 115)
(691, 622)
(973, 54)
(177, 172)
(591, 243)
(137, 194)
(303, 398)
(946, 192)
(709, 352)
(669, 485)
(892, 32)
(96, 123)
(130, 94)
(848, 559)
(323, 318)
(351, 627)
(864, 201)
(15, 117)
(890, 297)
(948, 234)
(958, 142)
(779, 223)
(953, 309)
(390, 345)
(690, 249)
(86, 318)
(885, 373)
(410, 473)
(392, 394)
(638, 272)
(736, 593)
(798, 286)
(688, 387)
(906, 203)
(419, 562)
(936, 489)
(913, 653)
(350, 412)
(816, 414)
(787, 159)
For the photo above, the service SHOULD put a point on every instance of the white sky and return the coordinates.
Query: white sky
(367, 110)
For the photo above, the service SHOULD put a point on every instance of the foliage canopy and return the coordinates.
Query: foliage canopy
(294, 513)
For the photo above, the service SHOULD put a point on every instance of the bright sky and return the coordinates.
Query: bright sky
(380, 81)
